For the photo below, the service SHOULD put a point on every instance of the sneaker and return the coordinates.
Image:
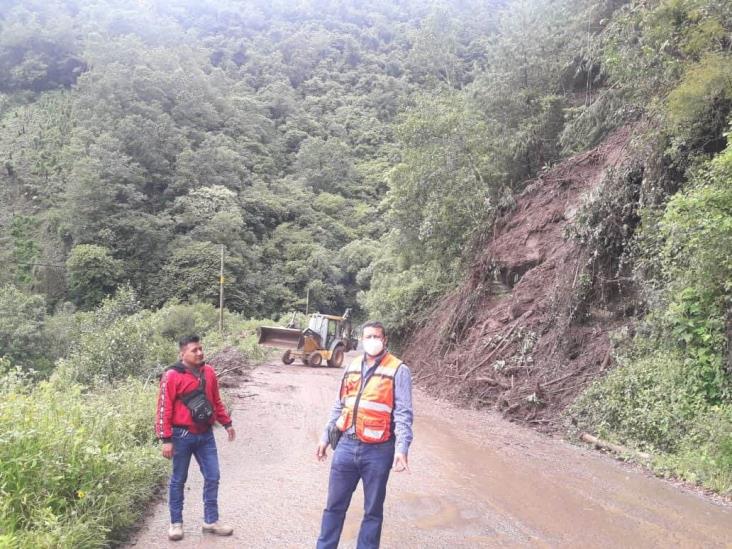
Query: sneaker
(217, 528)
(175, 532)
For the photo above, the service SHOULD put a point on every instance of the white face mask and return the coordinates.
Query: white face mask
(373, 347)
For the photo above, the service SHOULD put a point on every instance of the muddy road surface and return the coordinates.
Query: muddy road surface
(475, 481)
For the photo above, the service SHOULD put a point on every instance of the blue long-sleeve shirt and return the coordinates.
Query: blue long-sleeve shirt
(403, 411)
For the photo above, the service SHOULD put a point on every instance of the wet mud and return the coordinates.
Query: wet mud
(476, 480)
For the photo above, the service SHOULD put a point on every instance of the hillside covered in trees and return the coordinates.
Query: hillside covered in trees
(405, 158)
(138, 138)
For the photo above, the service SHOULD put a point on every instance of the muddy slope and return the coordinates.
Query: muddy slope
(511, 336)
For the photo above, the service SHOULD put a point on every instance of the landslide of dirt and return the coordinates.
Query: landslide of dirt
(509, 336)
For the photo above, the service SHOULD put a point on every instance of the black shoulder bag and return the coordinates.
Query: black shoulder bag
(196, 401)
(334, 435)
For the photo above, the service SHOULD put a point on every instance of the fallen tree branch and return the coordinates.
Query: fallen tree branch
(487, 390)
(510, 409)
(559, 379)
(222, 373)
(577, 374)
(422, 378)
(616, 448)
(606, 361)
(504, 343)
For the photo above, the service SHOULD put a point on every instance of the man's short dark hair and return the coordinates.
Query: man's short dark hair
(374, 324)
(185, 340)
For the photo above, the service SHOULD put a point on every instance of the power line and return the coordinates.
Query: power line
(35, 264)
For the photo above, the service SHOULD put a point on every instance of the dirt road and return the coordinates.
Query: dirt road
(476, 481)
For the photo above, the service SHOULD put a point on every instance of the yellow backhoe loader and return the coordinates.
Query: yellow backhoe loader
(326, 339)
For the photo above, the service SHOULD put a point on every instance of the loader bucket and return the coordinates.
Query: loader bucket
(282, 338)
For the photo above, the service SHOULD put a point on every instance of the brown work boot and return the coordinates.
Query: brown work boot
(218, 528)
(175, 532)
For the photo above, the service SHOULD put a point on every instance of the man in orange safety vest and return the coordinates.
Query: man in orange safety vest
(370, 428)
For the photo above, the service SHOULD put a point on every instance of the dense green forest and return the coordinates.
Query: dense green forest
(137, 139)
(357, 153)
(329, 147)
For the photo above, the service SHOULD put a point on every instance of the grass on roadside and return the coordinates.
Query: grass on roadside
(78, 457)
(76, 467)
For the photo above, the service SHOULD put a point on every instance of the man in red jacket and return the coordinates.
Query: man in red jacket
(183, 436)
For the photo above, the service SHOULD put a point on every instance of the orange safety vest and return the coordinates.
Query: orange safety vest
(373, 403)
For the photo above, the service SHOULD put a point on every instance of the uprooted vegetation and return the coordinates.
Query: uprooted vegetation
(577, 317)
(626, 292)
(528, 330)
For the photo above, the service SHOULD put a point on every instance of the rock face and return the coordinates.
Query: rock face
(511, 335)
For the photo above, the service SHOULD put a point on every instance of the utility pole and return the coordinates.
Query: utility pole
(307, 302)
(221, 293)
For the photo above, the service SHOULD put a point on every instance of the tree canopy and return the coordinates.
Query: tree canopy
(136, 139)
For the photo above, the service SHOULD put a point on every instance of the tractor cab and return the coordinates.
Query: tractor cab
(328, 328)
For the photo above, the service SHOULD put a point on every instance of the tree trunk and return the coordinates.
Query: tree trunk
(728, 332)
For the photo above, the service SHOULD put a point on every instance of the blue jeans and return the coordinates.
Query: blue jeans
(203, 448)
(354, 460)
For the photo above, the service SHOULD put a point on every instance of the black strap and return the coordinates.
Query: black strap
(201, 376)
(364, 380)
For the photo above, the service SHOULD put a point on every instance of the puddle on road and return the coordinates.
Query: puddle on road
(498, 485)
(433, 513)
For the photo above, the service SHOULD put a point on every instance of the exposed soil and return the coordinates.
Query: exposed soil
(511, 336)
(476, 481)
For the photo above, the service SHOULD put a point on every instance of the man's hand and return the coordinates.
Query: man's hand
(167, 450)
(401, 463)
(231, 433)
(321, 452)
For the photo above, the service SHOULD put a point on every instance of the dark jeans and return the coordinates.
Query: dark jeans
(203, 448)
(354, 460)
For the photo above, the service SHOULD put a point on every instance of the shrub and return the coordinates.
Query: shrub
(178, 320)
(22, 319)
(240, 333)
(704, 84)
(643, 402)
(128, 346)
(672, 391)
(705, 454)
(75, 466)
(93, 274)
(697, 228)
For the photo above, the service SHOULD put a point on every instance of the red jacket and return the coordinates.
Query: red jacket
(172, 411)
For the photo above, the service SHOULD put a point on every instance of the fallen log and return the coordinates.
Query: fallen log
(616, 448)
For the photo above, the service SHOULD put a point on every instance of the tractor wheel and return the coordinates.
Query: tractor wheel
(315, 359)
(287, 358)
(336, 359)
